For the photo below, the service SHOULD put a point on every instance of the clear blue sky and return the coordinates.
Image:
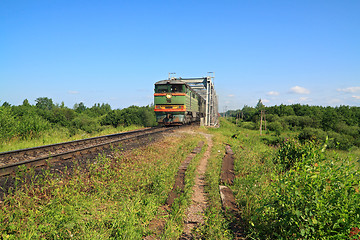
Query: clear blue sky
(284, 52)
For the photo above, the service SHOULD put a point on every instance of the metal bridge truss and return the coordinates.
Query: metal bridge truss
(205, 88)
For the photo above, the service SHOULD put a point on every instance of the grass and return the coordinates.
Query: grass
(216, 225)
(116, 199)
(57, 136)
(175, 220)
(306, 194)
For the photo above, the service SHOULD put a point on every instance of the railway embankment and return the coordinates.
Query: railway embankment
(115, 197)
(125, 194)
(32, 162)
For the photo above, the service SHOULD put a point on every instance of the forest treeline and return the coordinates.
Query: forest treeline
(28, 121)
(341, 125)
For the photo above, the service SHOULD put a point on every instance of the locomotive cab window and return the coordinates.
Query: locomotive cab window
(177, 88)
(161, 88)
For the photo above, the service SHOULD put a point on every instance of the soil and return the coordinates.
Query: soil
(157, 224)
(227, 169)
(195, 212)
(232, 212)
(180, 178)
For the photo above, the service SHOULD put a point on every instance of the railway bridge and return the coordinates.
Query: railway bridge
(204, 86)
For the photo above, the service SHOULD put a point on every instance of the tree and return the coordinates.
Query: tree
(260, 105)
(248, 113)
(6, 104)
(26, 103)
(79, 107)
(44, 103)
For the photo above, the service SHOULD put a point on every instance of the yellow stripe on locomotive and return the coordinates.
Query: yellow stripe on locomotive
(170, 108)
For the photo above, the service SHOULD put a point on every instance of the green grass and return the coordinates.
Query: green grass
(282, 194)
(175, 220)
(58, 135)
(116, 199)
(216, 225)
(294, 191)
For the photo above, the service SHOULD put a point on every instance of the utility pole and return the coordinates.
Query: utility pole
(265, 119)
(237, 118)
(262, 116)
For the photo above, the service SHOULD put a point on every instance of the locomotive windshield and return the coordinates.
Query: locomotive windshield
(175, 88)
(161, 88)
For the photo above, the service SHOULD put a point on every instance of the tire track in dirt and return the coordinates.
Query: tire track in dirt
(157, 224)
(179, 185)
(237, 224)
(196, 210)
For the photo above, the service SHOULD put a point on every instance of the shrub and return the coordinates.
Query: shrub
(248, 125)
(292, 152)
(30, 126)
(133, 115)
(309, 133)
(149, 118)
(7, 124)
(272, 118)
(112, 118)
(63, 116)
(86, 124)
(316, 199)
(343, 128)
(275, 126)
(272, 140)
(292, 121)
(340, 141)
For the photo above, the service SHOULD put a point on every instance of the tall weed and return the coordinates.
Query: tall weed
(314, 199)
(116, 198)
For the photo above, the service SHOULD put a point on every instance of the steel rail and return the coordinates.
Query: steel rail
(43, 160)
(53, 148)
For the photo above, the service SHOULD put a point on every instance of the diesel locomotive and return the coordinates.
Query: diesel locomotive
(176, 103)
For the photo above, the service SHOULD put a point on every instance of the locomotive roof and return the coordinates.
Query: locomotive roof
(169, 82)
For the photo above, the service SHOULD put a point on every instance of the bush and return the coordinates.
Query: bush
(31, 126)
(149, 118)
(315, 199)
(141, 116)
(275, 126)
(7, 124)
(113, 118)
(248, 125)
(311, 134)
(62, 116)
(272, 118)
(340, 141)
(272, 140)
(86, 124)
(343, 128)
(292, 152)
(292, 121)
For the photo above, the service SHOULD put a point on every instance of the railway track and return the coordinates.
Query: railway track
(40, 156)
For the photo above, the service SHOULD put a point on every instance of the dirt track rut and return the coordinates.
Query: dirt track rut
(195, 212)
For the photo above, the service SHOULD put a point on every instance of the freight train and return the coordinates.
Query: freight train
(176, 103)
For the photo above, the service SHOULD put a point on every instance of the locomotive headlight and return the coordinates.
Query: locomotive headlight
(168, 96)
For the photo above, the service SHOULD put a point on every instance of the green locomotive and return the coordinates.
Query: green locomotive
(177, 103)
